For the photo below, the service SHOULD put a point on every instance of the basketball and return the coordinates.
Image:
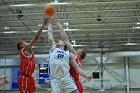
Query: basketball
(49, 10)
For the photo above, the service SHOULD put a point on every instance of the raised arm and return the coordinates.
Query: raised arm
(50, 37)
(62, 32)
(37, 35)
(65, 38)
(78, 69)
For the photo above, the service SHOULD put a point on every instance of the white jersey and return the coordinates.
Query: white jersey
(59, 63)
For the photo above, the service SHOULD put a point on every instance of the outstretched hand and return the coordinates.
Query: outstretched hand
(45, 21)
(89, 77)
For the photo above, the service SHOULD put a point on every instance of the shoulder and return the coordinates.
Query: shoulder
(21, 52)
(53, 49)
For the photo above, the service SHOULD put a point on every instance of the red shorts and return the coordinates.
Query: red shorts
(79, 86)
(26, 84)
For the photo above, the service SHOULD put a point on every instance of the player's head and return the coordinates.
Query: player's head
(61, 44)
(21, 44)
(82, 53)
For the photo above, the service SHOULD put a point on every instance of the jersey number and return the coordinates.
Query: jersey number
(60, 55)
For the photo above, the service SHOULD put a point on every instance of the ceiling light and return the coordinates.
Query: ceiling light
(74, 42)
(6, 27)
(67, 23)
(10, 32)
(36, 31)
(42, 30)
(138, 23)
(21, 5)
(39, 24)
(78, 45)
(130, 44)
(71, 29)
(64, 30)
(136, 27)
(60, 3)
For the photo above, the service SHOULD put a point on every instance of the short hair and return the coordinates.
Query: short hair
(83, 54)
(18, 45)
(65, 47)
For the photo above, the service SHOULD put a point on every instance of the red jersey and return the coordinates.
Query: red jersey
(73, 72)
(27, 64)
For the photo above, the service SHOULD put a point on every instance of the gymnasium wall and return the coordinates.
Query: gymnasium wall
(115, 70)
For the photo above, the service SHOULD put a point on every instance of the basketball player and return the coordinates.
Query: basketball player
(26, 82)
(80, 55)
(59, 60)
(4, 82)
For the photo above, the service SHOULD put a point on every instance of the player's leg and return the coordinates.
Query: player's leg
(79, 86)
(69, 85)
(22, 84)
(31, 85)
(55, 86)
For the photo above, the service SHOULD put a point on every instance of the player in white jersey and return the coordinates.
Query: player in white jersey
(59, 59)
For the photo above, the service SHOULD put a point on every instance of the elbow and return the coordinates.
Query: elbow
(36, 36)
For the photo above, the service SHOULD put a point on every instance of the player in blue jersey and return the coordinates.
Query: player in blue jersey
(59, 60)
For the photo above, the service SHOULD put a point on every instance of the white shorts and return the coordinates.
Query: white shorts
(63, 85)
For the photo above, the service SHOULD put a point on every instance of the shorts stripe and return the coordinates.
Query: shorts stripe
(74, 90)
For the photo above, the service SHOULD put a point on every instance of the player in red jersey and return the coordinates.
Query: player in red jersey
(26, 82)
(80, 54)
